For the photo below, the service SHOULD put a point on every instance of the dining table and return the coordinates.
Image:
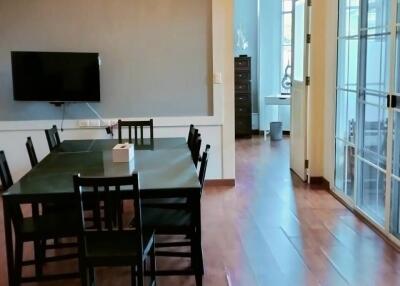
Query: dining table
(164, 165)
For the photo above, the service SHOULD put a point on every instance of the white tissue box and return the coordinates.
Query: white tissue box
(123, 153)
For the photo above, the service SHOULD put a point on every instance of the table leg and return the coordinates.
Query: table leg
(39, 246)
(197, 236)
(9, 243)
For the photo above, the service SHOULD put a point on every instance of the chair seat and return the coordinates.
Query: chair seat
(102, 247)
(54, 225)
(156, 218)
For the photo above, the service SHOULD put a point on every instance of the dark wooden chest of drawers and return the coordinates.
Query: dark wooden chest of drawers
(243, 96)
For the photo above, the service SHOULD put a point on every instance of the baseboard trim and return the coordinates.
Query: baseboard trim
(220, 183)
(364, 220)
(320, 182)
(261, 132)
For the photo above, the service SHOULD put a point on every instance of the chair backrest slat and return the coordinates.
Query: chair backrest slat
(96, 210)
(108, 206)
(5, 174)
(196, 150)
(53, 139)
(6, 182)
(31, 152)
(193, 132)
(190, 134)
(119, 208)
(135, 125)
(203, 166)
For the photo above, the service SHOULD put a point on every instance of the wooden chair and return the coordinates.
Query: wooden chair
(31, 152)
(135, 125)
(112, 243)
(196, 150)
(177, 219)
(47, 208)
(191, 136)
(36, 228)
(53, 139)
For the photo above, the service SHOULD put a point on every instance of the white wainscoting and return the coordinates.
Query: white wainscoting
(13, 137)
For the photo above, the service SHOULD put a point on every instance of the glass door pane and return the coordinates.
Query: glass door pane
(346, 96)
(395, 177)
(395, 174)
(299, 36)
(372, 183)
(373, 113)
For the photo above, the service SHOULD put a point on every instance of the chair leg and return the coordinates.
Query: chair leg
(199, 280)
(200, 250)
(200, 261)
(197, 258)
(43, 245)
(140, 274)
(153, 264)
(38, 247)
(18, 262)
(83, 273)
(133, 275)
(92, 276)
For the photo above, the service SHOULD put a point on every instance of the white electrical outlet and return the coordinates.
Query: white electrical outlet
(83, 123)
(94, 123)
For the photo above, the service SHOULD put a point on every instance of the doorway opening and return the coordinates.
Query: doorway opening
(271, 73)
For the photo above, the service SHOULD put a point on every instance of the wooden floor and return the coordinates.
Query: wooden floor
(271, 229)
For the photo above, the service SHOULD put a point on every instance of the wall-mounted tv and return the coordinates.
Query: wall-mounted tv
(55, 76)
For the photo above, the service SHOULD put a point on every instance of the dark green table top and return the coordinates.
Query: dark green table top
(108, 144)
(164, 165)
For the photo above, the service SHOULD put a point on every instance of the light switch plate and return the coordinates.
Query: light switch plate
(217, 78)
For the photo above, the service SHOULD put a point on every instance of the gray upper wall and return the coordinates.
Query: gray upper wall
(156, 54)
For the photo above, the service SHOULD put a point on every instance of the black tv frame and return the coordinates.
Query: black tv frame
(56, 102)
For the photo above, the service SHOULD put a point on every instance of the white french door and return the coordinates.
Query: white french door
(393, 180)
(367, 158)
(298, 133)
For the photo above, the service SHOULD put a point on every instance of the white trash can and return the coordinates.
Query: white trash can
(276, 131)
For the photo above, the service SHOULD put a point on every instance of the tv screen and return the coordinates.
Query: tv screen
(55, 76)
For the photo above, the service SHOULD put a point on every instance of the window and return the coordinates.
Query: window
(286, 58)
(346, 96)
